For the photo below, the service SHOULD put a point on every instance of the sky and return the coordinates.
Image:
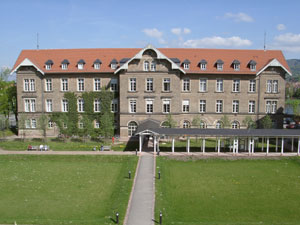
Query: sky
(136, 23)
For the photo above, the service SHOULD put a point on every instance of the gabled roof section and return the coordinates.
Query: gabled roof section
(186, 61)
(219, 61)
(114, 61)
(148, 125)
(159, 54)
(81, 61)
(49, 62)
(27, 62)
(97, 61)
(252, 62)
(275, 63)
(236, 61)
(65, 61)
(203, 61)
(175, 60)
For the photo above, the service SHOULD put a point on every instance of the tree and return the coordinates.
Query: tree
(170, 122)
(43, 124)
(106, 124)
(297, 93)
(197, 121)
(87, 130)
(21, 125)
(249, 123)
(226, 123)
(266, 122)
(4, 73)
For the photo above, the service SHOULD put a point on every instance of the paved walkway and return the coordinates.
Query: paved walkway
(141, 207)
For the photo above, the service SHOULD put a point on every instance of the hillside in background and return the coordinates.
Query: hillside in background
(294, 65)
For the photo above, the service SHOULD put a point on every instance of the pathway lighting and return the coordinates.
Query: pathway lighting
(117, 218)
(129, 174)
(159, 174)
(160, 217)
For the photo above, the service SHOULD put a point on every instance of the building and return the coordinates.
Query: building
(153, 83)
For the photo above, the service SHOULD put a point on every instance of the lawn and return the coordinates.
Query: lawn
(64, 189)
(220, 191)
(70, 145)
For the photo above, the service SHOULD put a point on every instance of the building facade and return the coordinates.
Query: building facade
(154, 83)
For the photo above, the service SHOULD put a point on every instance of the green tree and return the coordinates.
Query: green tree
(297, 93)
(225, 121)
(249, 123)
(266, 122)
(4, 73)
(72, 114)
(43, 124)
(21, 126)
(106, 116)
(170, 122)
(197, 121)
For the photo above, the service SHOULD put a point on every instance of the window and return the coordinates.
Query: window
(48, 105)
(80, 84)
(114, 105)
(29, 85)
(185, 106)
(64, 85)
(202, 107)
(219, 85)
(97, 66)
(153, 66)
(275, 86)
(65, 125)
(235, 106)
(64, 66)
(268, 106)
(80, 66)
(149, 106)
(166, 105)
(114, 84)
(97, 84)
(186, 124)
(97, 124)
(236, 86)
(274, 106)
(27, 124)
(252, 67)
(203, 66)
(48, 66)
(269, 86)
(251, 106)
(252, 86)
(48, 84)
(219, 66)
(97, 105)
(113, 66)
(219, 125)
(132, 84)
(50, 124)
(271, 106)
(146, 66)
(80, 125)
(235, 125)
(236, 66)
(186, 84)
(203, 85)
(29, 104)
(132, 126)
(149, 84)
(186, 66)
(167, 84)
(219, 106)
(202, 125)
(65, 105)
(80, 103)
(132, 106)
(33, 123)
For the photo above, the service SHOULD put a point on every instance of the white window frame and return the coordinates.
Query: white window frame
(48, 66)
(146, 65)
(251, 106)
(252, 67)
(80, 105)
(97, 84)
(219, 66)
(219, 85)
(274, 107)
(96, 66)
(33, 123)
(269, 86)
(64, 105)
(185, 106)
(166, 106)
(203, 85)
(132, 105)
(132, 84)
(219, 124)
(80, 84)
(166, 83)
(113, 66)
(64, 66)
(114, 105)
(235, 106)
(132, 128)
(235, 125)
(186, 66)
(97, 124)
(50, 124)
(203, 66)
(252, 86)
(275, 86)
(29, 105)
(149, 103)
(153, 66)
(97, 105)
(80, 66)
(31, 84)
(27, 124)
(114, 84)
(26, 85)
(202, 106)
(186, 124)
(48, 84)
(236, 85)
(186, 85)
(268, 106)
(49, 105)
(64, 84)
(219, 106)
(236, 66)
(149, 84)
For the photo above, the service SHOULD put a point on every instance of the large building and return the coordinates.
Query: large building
(153, 83)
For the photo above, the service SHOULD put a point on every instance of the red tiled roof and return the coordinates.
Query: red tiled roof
(39, 57)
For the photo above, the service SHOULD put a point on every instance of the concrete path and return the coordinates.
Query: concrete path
(141, 207)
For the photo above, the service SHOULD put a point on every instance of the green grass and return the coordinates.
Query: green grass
(64, 189)
(231, 192)
(58, 145)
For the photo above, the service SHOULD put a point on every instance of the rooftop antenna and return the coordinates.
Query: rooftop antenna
(37, 41)
(265, 35)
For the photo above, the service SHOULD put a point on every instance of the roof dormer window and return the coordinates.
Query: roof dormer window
(176, 61)
(80, 64)
(97, 63)
(203, 64)
(236, 65)
(146, 66)
(113, 64)
(220, 64)
(64, 64)
(48, 64)
(252, 65)
(186, 64)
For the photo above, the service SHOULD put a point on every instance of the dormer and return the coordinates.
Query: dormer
(64, 64)
(252, 65)
(97, 64)
(186, 64)
(219, 64)
(123, 61)
(113, 64)
(202, 64)
(236, 65)
(176, 60)
(80, 64)
(48, 64)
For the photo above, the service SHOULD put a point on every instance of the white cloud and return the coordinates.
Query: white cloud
(155, 33)
(176, 31)
(186, 31)
(288, 42)
(281, 26)
(216, 41)
(239, 17)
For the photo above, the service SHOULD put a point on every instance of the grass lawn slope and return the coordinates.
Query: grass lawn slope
(64, 189)
(220, 191)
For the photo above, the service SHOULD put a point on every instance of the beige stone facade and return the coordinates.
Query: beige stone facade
(234, 94)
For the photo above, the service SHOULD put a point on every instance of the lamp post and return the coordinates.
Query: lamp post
(160, 217)
(129, 174)
(159, 174)
(117, 218)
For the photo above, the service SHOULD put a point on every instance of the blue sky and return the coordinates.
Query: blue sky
(112, 23)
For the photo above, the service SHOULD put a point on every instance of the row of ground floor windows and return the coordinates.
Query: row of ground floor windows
(132, 125)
